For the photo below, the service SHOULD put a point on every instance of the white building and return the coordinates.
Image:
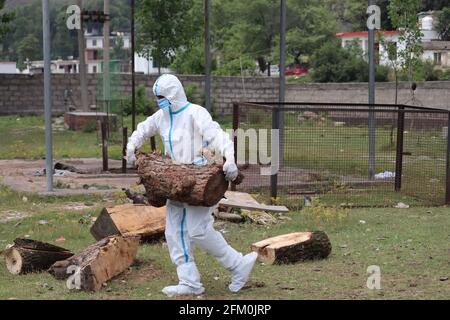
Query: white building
(56, 66)
(362, 38)
(8, 67)
(435, 50)
(94, 47)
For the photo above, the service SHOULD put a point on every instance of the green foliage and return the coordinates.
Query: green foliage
(191, 59)
(193, 95)
(445, 75)
(89, 126)
(425, 71)
(5, 19)
(443, 25)
(165, 26)
(144, 105)
(332, 63)
(403, 16)
(118, 52)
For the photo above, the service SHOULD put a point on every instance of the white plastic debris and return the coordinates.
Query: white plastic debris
(362, 221)
(385, 175)
(401, 205)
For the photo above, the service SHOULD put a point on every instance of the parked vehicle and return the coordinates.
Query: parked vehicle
(295, 70)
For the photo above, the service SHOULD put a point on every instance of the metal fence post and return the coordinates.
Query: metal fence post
(447, 168)
(235, 142)
(124, 149)
(104, 146)
(399, 153)
(274, 177)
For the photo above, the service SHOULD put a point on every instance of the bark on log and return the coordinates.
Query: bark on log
(195, 185)
(147, 222)
(28, 255)
(98, 263)
(293, 247)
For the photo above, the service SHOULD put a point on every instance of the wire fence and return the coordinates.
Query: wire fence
(324, 150)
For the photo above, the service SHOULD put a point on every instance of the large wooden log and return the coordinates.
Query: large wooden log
(195, 185)
(99, 262)
(28, 255)
(293, 247)
(147, 222)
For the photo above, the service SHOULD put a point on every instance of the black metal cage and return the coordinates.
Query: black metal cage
(324, 149)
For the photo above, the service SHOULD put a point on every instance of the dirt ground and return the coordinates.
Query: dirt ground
(27, 176)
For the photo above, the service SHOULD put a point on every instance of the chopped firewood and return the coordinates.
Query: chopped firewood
(226, 216)
(293, 247)
(99, 262)
(28, 255)
(130, 219)
(259, 217)
(188, 183)
(252, 206)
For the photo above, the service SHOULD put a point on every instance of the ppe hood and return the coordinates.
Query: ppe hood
(170, 87)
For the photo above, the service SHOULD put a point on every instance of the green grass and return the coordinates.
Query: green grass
(334, 151)
(410, 246)
(26, 140)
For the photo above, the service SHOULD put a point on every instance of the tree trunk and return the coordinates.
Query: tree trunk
(98, 263)
(28, 255)
(293, 247)
(195, 185)
(130, 220)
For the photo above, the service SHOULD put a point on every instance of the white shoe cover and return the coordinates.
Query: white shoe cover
(241, 274)
(181, 289)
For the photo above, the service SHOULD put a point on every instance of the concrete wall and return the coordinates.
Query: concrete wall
(430, 94)
(23, 94)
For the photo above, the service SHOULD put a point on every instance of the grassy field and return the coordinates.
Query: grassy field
(410, 246)
(334, 151)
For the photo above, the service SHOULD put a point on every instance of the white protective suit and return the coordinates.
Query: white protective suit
(185, 129)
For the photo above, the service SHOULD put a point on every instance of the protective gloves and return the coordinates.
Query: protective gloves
(230, 169)
(130, 157)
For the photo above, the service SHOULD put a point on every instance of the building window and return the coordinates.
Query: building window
(437, 58)
(94, 43)
(94, 69)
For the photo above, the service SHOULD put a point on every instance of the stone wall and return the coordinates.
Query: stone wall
(23, 94)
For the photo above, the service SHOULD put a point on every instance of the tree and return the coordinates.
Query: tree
(5, 19)
(443, 25)
(163, 27)
(403, 16)
(332, 63)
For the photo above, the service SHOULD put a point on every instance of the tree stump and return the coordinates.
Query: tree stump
(147, 222)
(192, 184)
(98, 263)
(293, 247)
(28, 255)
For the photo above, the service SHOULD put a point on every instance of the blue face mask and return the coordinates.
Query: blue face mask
(163, 103)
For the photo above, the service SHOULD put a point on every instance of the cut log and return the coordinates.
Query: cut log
(147, 222)
(293, 247)
(252, 206)
(99, 262)
(28, 255)
(226, 216)
(192, 184)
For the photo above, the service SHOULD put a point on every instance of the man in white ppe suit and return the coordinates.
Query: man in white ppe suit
(185, 129)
